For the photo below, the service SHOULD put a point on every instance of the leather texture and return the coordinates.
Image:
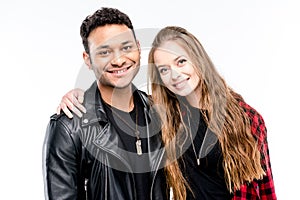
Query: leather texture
(81, 158)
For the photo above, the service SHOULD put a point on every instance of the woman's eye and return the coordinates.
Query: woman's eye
(181, 62)
(163, 70)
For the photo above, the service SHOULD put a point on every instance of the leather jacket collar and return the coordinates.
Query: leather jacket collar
(94, 107)
(109, 142)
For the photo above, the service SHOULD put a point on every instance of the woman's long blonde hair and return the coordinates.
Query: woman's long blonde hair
(223, 115)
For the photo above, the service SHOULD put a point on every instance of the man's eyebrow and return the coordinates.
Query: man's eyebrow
(127, 42)
(102, 47)
(107, 46)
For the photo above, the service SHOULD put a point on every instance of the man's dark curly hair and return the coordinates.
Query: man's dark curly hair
(102, 17)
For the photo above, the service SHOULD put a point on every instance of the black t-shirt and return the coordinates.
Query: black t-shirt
(139, 163)
(207, 179)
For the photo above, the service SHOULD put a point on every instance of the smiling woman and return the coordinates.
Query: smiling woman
(187, 86)
(175, 68)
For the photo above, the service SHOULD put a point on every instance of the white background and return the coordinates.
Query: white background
(254, 44)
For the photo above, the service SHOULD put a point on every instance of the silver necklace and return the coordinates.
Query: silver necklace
(138, 143)
(192, 140)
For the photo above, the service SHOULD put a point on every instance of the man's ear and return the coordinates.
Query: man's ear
(87, 59)
(138, 46)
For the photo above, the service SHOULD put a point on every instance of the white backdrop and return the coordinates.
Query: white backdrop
(254, 44)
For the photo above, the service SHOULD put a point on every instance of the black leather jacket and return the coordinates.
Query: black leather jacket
(81, 159)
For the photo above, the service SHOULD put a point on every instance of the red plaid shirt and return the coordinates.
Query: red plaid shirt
(258, 189)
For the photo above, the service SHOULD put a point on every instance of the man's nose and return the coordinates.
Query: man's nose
(118, 59)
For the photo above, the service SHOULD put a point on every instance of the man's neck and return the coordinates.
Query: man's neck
(120, 98)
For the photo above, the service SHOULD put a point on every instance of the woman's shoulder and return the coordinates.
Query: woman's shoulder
(257, 123)
(252, 113)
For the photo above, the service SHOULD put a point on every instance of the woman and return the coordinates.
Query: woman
(216, 144)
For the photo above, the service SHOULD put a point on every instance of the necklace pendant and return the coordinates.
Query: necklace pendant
(198, 161)
(138, 145)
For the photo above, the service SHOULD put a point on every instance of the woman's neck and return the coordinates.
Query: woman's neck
(194, 98)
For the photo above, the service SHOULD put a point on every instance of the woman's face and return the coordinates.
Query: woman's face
(175, 68)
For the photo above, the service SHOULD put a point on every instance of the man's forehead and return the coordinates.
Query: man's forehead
(112, 34)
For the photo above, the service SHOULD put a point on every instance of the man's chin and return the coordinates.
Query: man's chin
(117, 85)
(122, 86)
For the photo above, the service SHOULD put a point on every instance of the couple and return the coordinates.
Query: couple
(194, 135)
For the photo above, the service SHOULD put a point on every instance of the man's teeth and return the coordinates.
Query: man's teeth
(120, 71)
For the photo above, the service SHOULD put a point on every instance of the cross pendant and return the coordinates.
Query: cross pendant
(138, 145)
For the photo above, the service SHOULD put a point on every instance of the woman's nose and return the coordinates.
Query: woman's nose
(174, 73)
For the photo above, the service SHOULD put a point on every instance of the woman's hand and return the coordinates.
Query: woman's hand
(72, 101)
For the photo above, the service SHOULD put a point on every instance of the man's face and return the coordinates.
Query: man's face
(114, 55)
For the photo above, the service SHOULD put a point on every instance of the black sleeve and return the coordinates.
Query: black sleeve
(61, 172)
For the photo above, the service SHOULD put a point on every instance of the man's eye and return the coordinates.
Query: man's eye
(103, 53)
(127, 48)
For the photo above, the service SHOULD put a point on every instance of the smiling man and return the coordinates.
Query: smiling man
(113, 151)
(114, 56)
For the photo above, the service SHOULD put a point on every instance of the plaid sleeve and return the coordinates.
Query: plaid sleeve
(258, 189)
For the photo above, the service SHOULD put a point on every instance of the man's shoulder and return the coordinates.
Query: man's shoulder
(62, 117)
(62, 121)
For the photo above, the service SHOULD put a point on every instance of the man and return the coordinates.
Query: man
(113, 151)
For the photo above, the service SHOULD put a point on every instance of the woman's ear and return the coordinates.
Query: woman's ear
(87, 60)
